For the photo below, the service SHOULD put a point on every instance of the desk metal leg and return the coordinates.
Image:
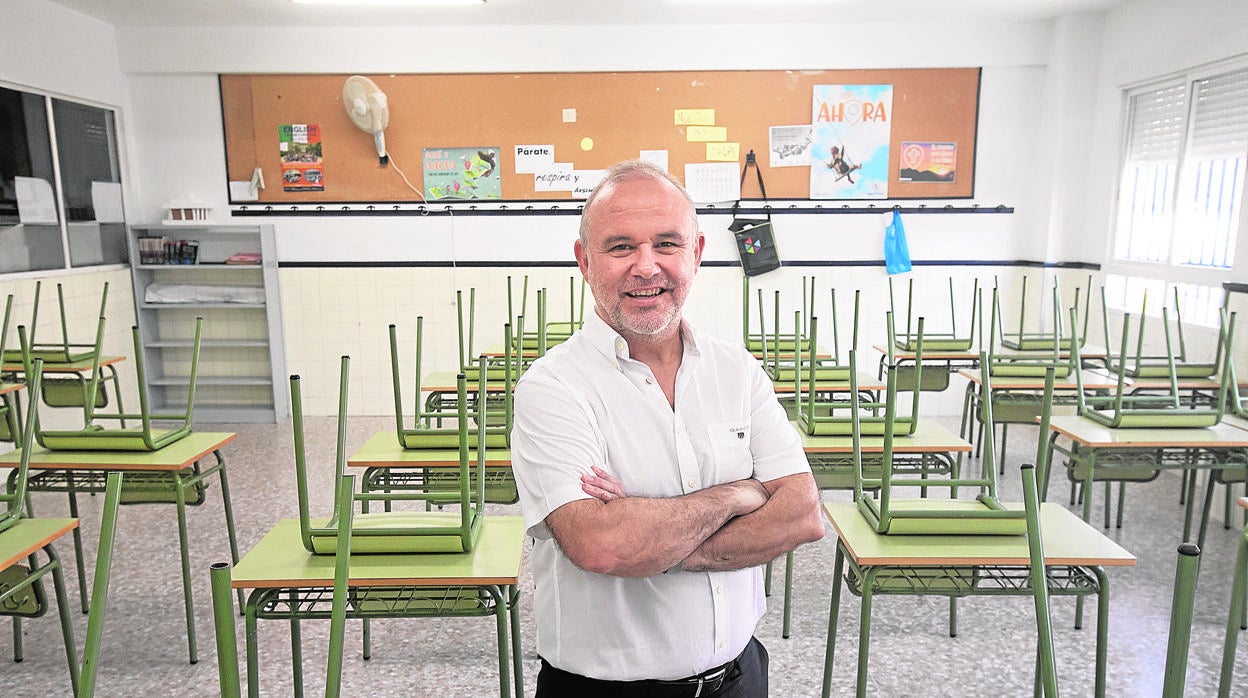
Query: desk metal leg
(77, 535)
(187, 601)
(1102, 629)
(864, 629)
(1239, 588)
(833, 614)
(296, 652)
(252, 644)
(99, 591)
(517, 658)
(229, 515)
(501, 618)
(788, 593)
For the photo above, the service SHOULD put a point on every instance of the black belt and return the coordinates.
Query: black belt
(700, 685)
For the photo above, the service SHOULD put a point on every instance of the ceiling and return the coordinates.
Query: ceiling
(283, 13)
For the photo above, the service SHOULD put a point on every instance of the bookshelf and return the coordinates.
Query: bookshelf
(226, 274)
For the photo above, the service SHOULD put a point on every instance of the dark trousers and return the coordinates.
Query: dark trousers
(747, 678)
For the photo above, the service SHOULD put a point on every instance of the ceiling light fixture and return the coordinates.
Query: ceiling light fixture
(392, 3)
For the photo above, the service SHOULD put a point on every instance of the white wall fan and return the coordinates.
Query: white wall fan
(368, 108)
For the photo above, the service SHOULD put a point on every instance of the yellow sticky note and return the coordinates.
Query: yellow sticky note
(723, 152)
(695, 117)
(699, 134)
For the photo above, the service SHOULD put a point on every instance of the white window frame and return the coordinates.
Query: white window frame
(1171, 273)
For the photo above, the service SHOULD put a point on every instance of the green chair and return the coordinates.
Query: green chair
(1039, 340)
(63, 351)
(1237, 403)
(394, 531)
(830, 417)
(147, 437)
(421, 434)
(547, 334)
(21, 537)
(827, 368)
(891, 514)
(1034, 364)
(937, 341)
(1151, 410)
(1158, 366)
(779, 342)
(9, 430)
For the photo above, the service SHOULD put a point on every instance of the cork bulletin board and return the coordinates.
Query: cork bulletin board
(614, 116)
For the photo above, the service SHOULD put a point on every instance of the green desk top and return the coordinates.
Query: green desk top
(1092, 380)
(1212, 383)
(29, 535)
(6, 388)
(279, 561)
(1088, 351)
(445, 382)
(866, 381)
(1086, 432)
(928, 437)
(383, 449)
(175, 456)
(82, 366)
(1068, 540)
(1235, 421)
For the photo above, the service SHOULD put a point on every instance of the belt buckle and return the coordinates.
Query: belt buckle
(711, 682)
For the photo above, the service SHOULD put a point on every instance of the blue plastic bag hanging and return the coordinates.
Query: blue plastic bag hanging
(896, 252)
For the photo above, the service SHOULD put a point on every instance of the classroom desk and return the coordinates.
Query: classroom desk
(388, 466)
(929, 450)
(1236, 619)
(9, 421)
(443, 392)
(289, 583)
(956, 566)
(18, 545)
(1132, 451)
(1016, 399)
(81, 368)
(174, 467)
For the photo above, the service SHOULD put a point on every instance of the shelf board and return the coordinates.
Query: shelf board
(215, 266)
(209, 381)
(207, 343)
(192, 306)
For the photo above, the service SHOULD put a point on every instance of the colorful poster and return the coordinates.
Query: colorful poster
(462, 173)
(851, 126)
(300, 148)
(928, 162)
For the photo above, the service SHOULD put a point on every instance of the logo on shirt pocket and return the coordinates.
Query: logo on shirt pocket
(730, 446)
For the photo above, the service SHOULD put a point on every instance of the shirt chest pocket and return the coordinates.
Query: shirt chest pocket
(730, 449)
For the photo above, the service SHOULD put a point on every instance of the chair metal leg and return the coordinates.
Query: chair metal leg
(788, 593)
(512, 594)
(1181, 620)
(1235, 617)
(223, 623)
(188, 601)
(99, 590)
(342, 571)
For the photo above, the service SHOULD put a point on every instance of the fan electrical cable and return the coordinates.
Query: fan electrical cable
(406, 181)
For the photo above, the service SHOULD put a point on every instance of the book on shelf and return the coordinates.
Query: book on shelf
(243, 258)
(158, 249)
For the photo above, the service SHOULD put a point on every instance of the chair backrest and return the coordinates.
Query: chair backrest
(820, 417)
(14, 496)
(1236, 402)
(936, 340)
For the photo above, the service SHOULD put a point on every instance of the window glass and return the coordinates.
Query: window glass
(30, 230)
(91, 182)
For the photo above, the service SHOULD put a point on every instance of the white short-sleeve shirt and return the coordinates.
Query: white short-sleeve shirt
(587, 403)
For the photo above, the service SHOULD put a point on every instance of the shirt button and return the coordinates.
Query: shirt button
(719, 589)
(691, 482)
(649, 382)
(721, 644)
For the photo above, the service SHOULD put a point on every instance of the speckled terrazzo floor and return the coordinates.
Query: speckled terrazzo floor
(911, 653)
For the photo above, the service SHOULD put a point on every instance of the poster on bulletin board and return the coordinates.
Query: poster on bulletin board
(851, 128)
(462, 173)
(299, 146)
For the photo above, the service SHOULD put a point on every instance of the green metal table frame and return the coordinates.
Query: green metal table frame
(289, 583)
(85, 471)
(959, 566)
(1237, 617)
(1091, 445)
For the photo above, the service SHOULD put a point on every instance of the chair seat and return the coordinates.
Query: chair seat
(97, 438)
(871, 426)
(399, 532)
(1179, 418)
(1162, 370)
(931, 343)
(416, 439)
(55, 354)
(822, 373)
(1020, 369)
(1034, 343)
(944, 517)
